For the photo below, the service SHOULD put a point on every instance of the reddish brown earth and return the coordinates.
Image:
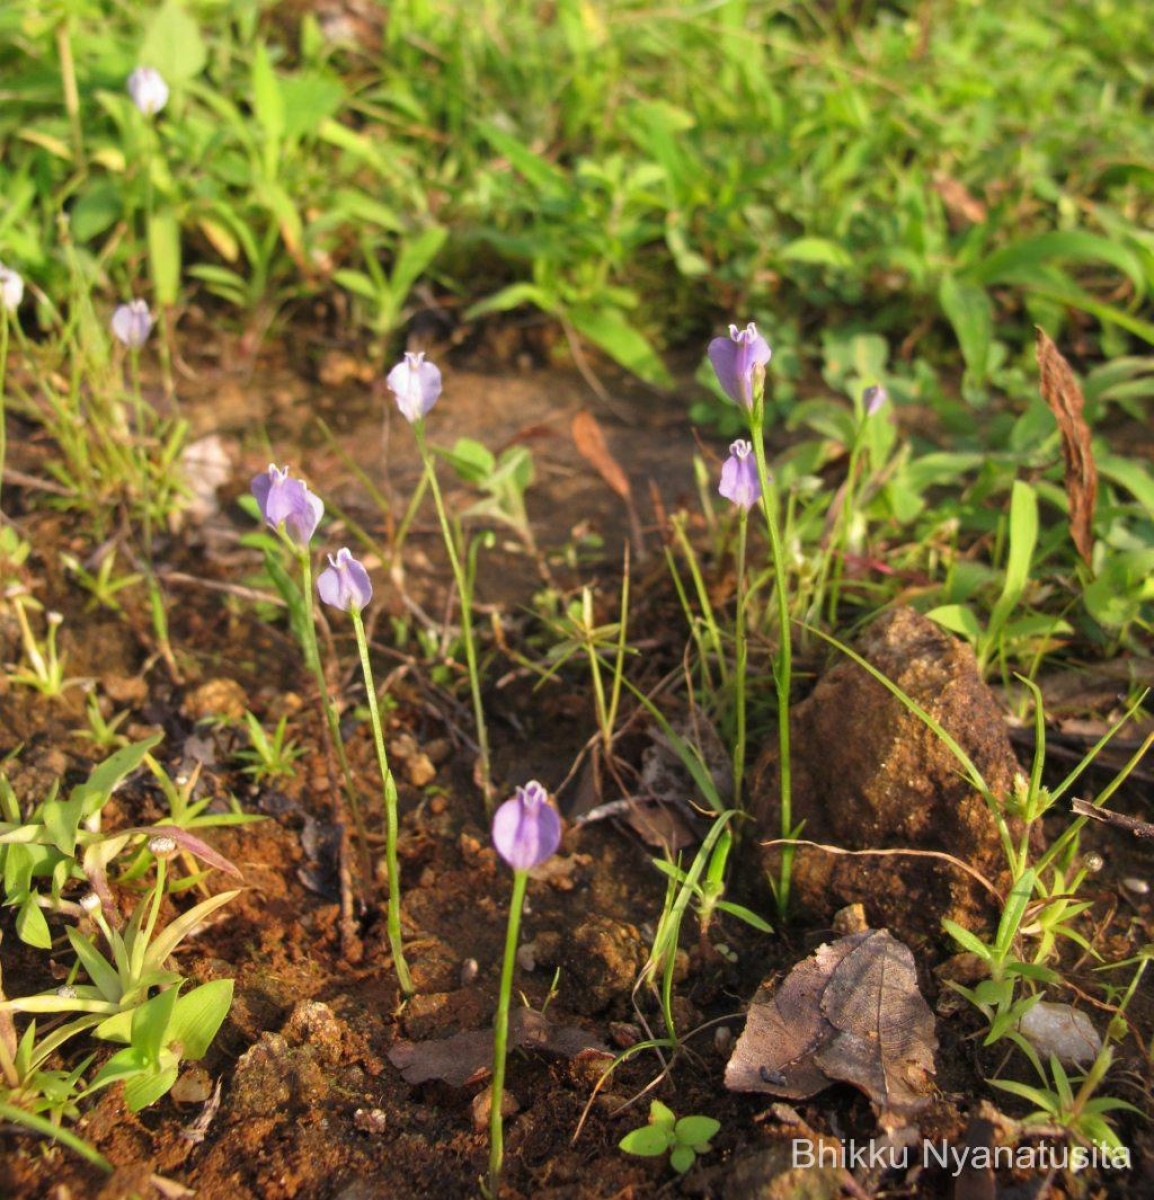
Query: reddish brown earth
(311, 1105)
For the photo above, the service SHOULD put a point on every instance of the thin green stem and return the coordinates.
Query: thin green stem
(465, 591)
(501, 1034)
(390, 800)
(313, 659)
(741, 660)
(4, 318)
(783, 666)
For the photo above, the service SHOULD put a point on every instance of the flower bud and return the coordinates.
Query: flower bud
(416, 385)
(148, 90)
(132, 323)
(527, 828)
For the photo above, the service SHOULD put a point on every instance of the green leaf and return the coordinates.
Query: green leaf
(105, 779)
(102, 973)
(970, 312)
(682, 1159)
(957, 618)
(148, 1087)
(198, 1016)
(662, 1115)
(1018, 263)
(96, 210)
(647, 1142)
(173, 44)
(268, 103)
(818, 250)
(307, 102)
(745, 914)
(966, 939)
(696, 1131)
(31, 927)
(608, 329)
(472, 461)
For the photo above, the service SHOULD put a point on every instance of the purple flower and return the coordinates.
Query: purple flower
(11, 288)
(739, 481)
(148, 90)
(344, 583)
(739, 362)
(416, 384)
(287, 504)
(132, 323)
(873, 398)
(527, 828)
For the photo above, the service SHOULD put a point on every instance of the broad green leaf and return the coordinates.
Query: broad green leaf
(173, 44)
(1018, 262)
(146, 1089)
(819, 251)
(648, 1142)
(31, 926)
(957, 618)
(609, 330)
(696, 1131)
(269, 105)
(199, 1015)
(972, 315)
(682, 1158)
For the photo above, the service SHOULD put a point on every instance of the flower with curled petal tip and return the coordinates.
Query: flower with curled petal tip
(527, 828)
(11, 288)
(416, 385)
(739, 481)
(738, 360)
(345, 583)
(286, 504)
(148, 90)
(132, 323)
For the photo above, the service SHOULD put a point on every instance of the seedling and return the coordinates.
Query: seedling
(269, 757)
(683, 1140)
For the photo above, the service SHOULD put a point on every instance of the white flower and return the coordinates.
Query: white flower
(132, 323)
(148, 90)
(11, 288)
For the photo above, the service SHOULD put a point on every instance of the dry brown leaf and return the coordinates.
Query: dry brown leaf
(591, 445)
(467, 1057)
(1061, 392)
(849, 1013)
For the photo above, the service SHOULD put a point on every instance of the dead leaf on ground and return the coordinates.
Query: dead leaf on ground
(468, 1057)
(850, 1013)
(1061, 392)
(591, 445)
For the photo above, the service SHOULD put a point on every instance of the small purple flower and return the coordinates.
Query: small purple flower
(148, 90)
(132, 323)
(527, 828)
(345, 583)
(739, 481)
(11, 288)
(739, 362)
(416, 384)
(287, 504)
(873, 398)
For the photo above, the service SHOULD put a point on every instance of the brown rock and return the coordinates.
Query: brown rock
(216, 698)
(868, 774)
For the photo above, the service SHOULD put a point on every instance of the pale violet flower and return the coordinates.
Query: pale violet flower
(287, 504)
(739, 362)
(873, 398)
(11, 288)
(345, 583)
(739, 481)
(148, 90)
(527, 828)
(416, 385)
(132, 323)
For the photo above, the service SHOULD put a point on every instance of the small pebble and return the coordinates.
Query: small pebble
(370, 1120)
(483, 1105)
(1138, 886)
(527, 957)
(469, 971)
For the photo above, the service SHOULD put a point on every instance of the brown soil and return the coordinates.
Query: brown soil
(311, 1105)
